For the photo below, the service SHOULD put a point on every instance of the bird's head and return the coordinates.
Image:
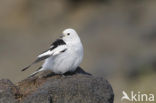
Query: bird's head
(70, 35)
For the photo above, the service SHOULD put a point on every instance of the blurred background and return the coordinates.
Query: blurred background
(119, 38)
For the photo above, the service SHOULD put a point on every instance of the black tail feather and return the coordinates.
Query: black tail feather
(33, 74)
(36, 61)
(26, 68)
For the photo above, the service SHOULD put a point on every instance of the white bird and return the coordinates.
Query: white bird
(64, 55)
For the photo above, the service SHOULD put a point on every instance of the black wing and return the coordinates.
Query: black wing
(57, 43)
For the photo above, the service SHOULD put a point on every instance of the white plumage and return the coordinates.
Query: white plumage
(65, 54)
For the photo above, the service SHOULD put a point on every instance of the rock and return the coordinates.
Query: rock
(8, 91)
(78, 87)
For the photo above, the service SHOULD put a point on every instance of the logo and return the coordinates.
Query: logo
(137, 96)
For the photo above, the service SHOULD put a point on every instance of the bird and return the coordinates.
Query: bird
(64, 55)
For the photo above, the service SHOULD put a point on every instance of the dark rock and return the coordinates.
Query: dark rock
(78, 87)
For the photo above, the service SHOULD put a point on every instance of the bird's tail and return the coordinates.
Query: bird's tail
(36, 72)
(36, 61)
(33, 74)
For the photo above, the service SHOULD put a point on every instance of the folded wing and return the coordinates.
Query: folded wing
(56, 48)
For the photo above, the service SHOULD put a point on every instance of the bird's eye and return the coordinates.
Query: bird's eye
(68, 33)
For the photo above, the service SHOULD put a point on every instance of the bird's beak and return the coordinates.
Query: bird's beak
(61, 36)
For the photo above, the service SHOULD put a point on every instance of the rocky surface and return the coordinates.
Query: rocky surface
(78, 87)
(8, 91)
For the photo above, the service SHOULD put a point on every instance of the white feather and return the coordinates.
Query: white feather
(45, 54)
(56, 51)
